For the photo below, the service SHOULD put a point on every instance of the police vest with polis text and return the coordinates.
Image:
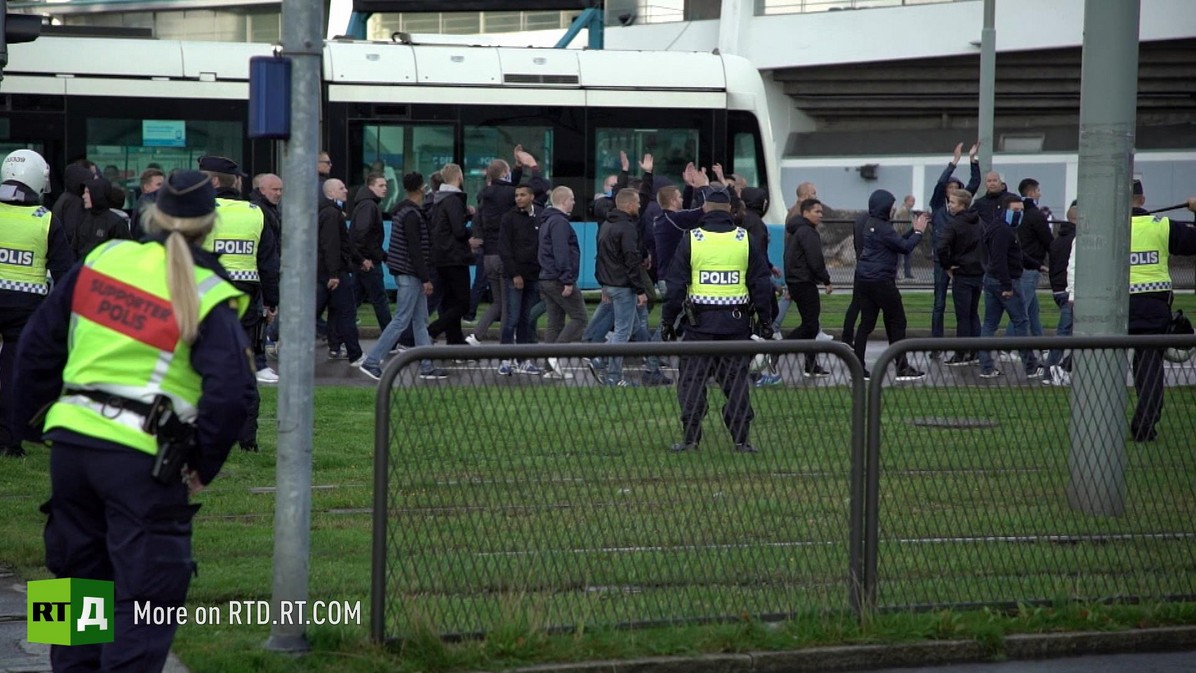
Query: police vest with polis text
(1149, 241)
(719, 264)
(236, 237)
(125, 342)
(24, 236)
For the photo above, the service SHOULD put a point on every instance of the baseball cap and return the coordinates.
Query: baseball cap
(718, 193)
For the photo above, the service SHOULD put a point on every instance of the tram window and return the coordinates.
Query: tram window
(123, 148)
(394, 150)
(747, 149)
(746, 161)
(671, 150)
(484, 144)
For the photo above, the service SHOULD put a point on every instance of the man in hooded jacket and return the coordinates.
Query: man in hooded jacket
(875, 274)
(98, 222)
(368, 236)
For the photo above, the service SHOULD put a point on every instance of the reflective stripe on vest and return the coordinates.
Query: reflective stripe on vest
(124, 340)
(1149, 239)
(718, 267)
(235, 238)
(24, 239)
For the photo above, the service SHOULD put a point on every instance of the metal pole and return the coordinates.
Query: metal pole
(1108, 103)
(988, 84)
(302, 28)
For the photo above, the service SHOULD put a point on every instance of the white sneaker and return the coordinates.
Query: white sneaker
(1060, 376)
(777, 336)
(823, 336)
(399, 348)
(554, 364)
(473, 340)
(358, 362)
(267, 375)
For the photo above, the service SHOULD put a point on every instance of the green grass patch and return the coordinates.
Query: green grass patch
(521, 507)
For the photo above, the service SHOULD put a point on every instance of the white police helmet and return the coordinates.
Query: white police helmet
(28, 168)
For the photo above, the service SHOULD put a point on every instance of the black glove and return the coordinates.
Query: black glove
(667, 332)
(765, 330)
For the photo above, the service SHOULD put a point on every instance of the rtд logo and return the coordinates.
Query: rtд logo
(70, 612)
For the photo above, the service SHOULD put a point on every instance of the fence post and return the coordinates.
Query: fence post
(1108, 100)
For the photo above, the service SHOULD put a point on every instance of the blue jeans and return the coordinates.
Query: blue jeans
(517, 326)
(939, 309)
(622, 303)
(996, 306)
(1064, 328)
(1030, 298)
(600, 323)
(411, 308)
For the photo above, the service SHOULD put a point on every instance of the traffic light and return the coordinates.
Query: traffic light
(16, 28)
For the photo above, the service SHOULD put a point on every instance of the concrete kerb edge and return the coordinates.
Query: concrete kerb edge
(861, 657)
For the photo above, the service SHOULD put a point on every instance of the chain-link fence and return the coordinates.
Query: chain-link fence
(558, 503)
(1031, 484)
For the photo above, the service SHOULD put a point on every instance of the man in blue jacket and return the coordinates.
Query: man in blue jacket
(875, 273)
(560, 263)
(939, 220)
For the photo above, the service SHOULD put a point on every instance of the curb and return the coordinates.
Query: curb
(866, 657)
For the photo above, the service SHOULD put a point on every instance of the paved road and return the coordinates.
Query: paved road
(1169, 662)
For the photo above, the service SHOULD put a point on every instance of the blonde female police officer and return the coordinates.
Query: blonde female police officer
(138, 349)
(721, 273)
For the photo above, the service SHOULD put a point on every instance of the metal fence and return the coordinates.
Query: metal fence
(556, 504)
(1028, 489)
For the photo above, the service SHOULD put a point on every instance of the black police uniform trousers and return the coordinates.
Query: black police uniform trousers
(109, 520)
(1150, 313)
(12, 321)
(732, 376)
(253, 323)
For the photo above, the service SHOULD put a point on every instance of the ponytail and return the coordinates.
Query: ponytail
(180, 280)
(180, 265)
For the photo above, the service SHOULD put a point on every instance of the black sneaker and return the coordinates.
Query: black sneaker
(815, 372)
(910, 374)
(958, 360)
(13, 451)
(681, 447)
(649, 379)
(249, 447)
(746, 447)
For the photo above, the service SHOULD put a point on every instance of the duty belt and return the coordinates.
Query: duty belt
(115, 403)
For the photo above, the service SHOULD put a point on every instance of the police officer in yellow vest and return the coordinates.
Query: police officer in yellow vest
(1153, 239)
(136, 370)
(32, 242)
(249, 252)
(717, 276)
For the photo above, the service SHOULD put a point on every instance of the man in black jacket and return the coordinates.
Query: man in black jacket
(1034, 236)
(519, 248)
(961, 258)
(334, 259)
(618, 270)
(98, 223)
(1060, 256)
(68, 209)
(451, 254)
(805, 269)
(1002, 283)
(994, 191)
(853, 309)
(367, 236)
(267, 195)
